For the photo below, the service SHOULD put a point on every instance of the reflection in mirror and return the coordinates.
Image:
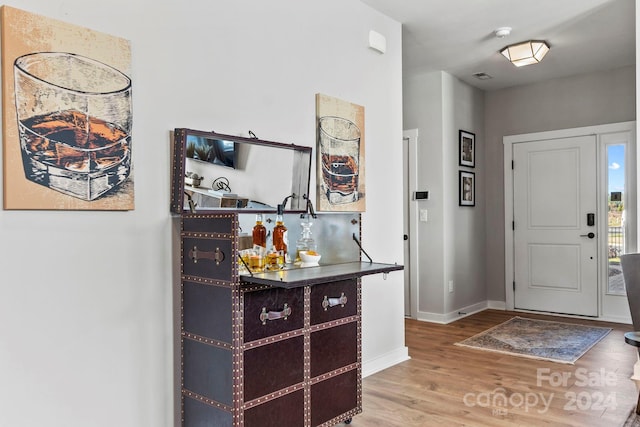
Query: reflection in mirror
(210, 150)
(223, 172)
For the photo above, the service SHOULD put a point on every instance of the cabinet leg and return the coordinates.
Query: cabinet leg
(347, 421)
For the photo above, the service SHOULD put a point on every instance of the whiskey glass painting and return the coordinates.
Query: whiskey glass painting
(340, 152)
(74, 121)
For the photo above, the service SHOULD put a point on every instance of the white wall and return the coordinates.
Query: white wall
(423, 111)
(467, 233)
(585, 100)
(86, 297)
(451, 243)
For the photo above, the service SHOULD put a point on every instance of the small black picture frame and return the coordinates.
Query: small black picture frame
(467, 149)
(467, 185)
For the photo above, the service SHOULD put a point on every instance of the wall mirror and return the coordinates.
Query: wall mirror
(217, 172)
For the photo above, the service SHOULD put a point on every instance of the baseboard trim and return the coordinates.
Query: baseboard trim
(454, 315)
(387, 360)
(496, 305)
(463, 312)
(616, 319)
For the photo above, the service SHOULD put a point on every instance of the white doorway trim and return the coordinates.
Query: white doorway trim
(508, 142)
(410, 136)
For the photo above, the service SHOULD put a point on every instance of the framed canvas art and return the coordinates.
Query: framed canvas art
(66, 116)
(340, 148)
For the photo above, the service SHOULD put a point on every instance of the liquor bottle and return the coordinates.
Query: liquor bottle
(280, 232)
(306, 242)
(259, 232)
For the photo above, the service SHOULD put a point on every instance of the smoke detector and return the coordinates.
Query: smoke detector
(502, 32)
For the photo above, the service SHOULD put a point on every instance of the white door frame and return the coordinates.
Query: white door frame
(411, 213)
(508, 142)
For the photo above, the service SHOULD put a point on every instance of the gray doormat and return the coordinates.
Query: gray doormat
(538, 339)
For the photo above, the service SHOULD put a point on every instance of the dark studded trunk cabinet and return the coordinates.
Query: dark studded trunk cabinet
(279, 350)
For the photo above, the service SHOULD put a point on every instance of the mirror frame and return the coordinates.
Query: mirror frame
(300, 174)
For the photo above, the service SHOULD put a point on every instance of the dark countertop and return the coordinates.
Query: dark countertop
(303, 276)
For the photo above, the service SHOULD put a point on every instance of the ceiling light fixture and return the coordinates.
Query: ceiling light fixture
(526, 53)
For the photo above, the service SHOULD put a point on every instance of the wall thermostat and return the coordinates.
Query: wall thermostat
(421, 195)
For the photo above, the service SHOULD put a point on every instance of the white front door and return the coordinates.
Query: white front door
(555, 247)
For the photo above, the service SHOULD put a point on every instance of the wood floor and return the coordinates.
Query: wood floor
(448, 385)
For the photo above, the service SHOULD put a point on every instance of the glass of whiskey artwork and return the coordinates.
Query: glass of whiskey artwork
(74, 120)
(340, 152)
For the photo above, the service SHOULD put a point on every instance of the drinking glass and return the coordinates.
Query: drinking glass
(74, 120)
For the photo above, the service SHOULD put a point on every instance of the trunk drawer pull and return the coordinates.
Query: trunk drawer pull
(332, 302)
(217, 255)
(275, 315)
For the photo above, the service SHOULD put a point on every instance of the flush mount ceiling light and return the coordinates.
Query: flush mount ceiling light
(526, 53)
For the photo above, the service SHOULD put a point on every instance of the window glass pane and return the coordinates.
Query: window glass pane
(616, 216)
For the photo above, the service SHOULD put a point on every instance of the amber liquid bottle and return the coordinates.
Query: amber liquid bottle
(259, 232)
(280, 232)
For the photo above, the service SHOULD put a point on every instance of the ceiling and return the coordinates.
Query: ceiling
(457, 36)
